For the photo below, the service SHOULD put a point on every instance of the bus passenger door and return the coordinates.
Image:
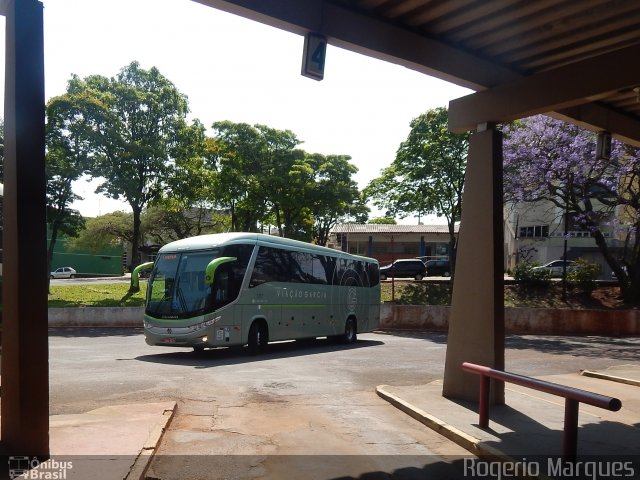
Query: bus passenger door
(262, 302)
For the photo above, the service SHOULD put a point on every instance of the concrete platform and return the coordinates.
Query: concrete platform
(531, 422)
(109, 443)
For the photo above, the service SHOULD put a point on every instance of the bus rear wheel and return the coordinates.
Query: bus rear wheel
(258, 338)
(350, 334)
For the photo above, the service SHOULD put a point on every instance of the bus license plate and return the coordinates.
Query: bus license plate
(169, 340)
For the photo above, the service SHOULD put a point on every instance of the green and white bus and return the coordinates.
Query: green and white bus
(249, 289)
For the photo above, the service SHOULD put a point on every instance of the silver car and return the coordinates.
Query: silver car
(556, 267)
(63, 272)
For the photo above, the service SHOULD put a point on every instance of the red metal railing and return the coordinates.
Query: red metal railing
(573, 397)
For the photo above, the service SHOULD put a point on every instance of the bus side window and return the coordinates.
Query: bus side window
(221, 287)
(374, 274)
(303, 262)
(329, 266)
(261, 269)
(319, 271)
(363, 274)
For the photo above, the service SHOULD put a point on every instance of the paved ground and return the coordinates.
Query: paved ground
(302, 410)
(300, 404)
(91, 368)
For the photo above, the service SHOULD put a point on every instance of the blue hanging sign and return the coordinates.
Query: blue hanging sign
(315, 50)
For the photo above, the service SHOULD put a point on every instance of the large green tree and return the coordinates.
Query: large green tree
(260, 175)
(239, 164)
(427, 175)
(114, 228)
(263, 178)
(334, 194)
(286, 179)
(69, 132)
(137, 135)
(163, 225)
(187, 206)
(383, 221)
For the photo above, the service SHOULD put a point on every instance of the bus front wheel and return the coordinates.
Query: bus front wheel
(258, 337)
(350, 334)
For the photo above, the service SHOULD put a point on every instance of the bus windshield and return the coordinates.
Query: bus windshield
(177, 287)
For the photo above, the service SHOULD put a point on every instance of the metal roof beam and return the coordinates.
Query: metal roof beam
(568, 86)
(596, 117)
(375, 38)
(567, 89)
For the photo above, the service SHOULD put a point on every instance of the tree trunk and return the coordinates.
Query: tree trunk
(323, 234)
(52, 244)
(278, 220)
(135, 245)
(631, 294)
(629, 285)
(452, 250)
(629, 281)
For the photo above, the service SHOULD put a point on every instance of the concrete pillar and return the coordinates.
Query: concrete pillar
(25, 371)
(476, 326)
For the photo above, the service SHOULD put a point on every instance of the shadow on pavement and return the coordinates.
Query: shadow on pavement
(616, 348)
(236, 355)
(627, 349)
(435, 337)
(313, 467)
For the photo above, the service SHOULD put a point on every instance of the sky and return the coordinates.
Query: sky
(232, 68)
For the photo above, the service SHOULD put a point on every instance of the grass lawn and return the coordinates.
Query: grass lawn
(406, 293)
(545, 296)
(96, 295)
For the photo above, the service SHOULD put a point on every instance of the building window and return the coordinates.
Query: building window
(536, 231)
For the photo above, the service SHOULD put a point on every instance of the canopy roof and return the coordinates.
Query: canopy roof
(577, 59)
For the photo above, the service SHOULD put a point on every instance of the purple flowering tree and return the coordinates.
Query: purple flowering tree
(549, 160)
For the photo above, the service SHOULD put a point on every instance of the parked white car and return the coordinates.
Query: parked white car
(556, 267)
(63, 272)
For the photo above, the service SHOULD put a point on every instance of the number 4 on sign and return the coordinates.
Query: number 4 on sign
(315, 49)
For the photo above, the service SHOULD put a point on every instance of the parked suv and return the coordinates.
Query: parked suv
(438, 267)
(407, 268)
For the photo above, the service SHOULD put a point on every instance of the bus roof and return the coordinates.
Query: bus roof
(204, 242)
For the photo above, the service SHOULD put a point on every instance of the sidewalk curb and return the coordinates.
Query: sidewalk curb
(466, 441)
(139, 469)
(612, 378)
(472, 444)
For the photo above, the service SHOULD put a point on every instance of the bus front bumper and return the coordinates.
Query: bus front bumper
(213, 336)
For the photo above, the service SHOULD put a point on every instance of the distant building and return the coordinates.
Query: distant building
(391, 242)
(535, 232)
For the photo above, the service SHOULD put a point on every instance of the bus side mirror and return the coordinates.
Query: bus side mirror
(135, 275)
(210, 271)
